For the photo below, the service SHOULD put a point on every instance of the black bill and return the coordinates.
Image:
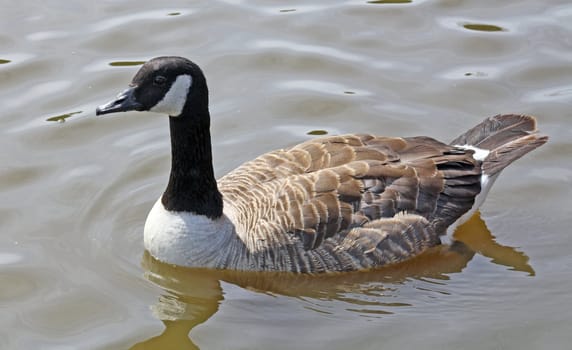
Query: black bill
(124, 102)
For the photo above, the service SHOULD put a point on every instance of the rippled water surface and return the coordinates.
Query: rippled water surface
(75, 189)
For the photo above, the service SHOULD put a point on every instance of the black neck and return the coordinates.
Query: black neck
(192, 186)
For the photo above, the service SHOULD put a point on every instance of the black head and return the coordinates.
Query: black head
(169, 85)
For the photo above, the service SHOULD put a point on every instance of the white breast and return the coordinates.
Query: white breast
(187, 239)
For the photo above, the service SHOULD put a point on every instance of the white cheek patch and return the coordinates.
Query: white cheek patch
(174, 100)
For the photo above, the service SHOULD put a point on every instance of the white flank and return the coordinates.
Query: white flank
(187, 239)
(174, 100)
(480, 153)
(486, 184)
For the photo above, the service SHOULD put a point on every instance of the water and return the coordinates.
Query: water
(75, 189)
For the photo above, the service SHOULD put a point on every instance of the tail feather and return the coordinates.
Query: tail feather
(506, 138)
(497, 142)
(507, 153)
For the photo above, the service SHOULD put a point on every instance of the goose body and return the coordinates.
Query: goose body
(337, 203)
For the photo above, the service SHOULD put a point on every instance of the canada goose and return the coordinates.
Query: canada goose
(336, 203)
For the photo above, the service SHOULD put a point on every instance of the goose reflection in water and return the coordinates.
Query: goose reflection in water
(192, 296)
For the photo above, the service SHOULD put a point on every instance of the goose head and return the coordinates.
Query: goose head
(170, 85)
(175, 86)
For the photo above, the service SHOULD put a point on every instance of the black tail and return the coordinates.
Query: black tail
(507, 137)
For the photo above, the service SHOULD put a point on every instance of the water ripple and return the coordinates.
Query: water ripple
(304, 48)
(125, 20)
(320, 86)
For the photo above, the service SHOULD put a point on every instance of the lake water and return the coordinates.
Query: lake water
(75, 189)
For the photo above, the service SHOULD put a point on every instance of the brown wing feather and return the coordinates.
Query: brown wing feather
(352, 187)
(389, 240)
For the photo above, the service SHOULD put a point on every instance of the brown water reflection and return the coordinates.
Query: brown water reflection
(192, 296)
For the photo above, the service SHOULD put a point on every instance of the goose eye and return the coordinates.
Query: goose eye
(159, 80)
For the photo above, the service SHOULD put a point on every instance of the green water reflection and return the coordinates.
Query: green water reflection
(126, 63)
(483, 27)
(62, 117)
